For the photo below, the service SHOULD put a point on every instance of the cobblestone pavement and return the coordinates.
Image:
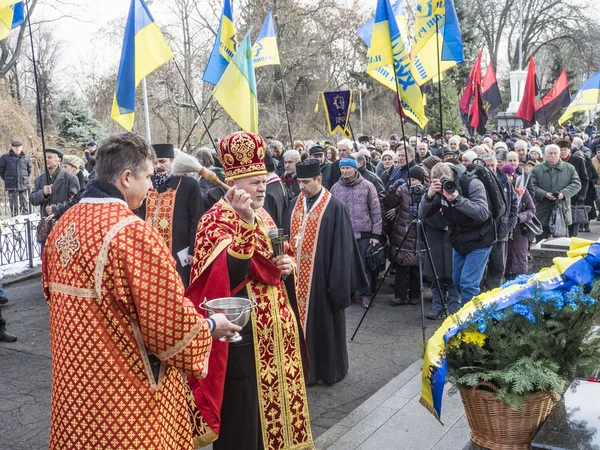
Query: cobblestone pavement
(387, 343)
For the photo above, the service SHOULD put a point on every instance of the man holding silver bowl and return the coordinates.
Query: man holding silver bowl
(254, 396)
(121, 330)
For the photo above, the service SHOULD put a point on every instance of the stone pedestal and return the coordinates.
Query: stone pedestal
(545, 251)
(517, 88)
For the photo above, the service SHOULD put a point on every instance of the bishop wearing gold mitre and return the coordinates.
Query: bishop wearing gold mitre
(254, 396)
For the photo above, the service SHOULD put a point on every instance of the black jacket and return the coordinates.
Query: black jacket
(506, 223)
(15, 171)
(579, 165)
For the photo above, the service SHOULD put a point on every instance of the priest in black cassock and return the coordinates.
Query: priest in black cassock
(276, 201)
(329, 270)
(174, 206)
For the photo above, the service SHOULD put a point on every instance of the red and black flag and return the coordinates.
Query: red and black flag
(558, 97)
(472, 111)
(490, 92)
(526, 110)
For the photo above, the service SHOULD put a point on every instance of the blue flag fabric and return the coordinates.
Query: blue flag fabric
(337, 106)
(224, 48)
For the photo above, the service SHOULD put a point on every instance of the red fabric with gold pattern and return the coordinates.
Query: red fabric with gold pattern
(159, 213)
(304, 233)
(242, 155)
(114, 294)
(280, 380)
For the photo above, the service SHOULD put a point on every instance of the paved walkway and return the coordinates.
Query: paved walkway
(394, 419)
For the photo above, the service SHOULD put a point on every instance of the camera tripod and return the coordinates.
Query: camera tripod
(420, 232)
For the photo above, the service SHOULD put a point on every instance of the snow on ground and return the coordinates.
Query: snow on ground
(10, 270)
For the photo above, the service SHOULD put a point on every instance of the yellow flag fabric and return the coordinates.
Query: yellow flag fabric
(236, 90)
(387, 49)
(586, 99)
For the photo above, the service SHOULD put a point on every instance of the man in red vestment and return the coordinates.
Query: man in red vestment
(121, 330)
(255, 394)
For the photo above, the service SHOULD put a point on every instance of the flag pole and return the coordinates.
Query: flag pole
(439, 73)
(146, 111)
(280, 73)
(189, 91)
(37, 94)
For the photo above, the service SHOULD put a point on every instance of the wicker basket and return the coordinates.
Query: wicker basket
(495, 426)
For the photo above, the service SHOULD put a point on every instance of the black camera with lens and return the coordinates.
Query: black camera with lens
(448, 185)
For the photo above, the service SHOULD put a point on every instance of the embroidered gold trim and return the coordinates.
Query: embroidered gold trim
(239, 255)
(137, 334)
(73, 291)
(102, 255)
(183, 343)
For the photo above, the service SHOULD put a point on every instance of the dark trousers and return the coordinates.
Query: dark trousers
(573, 230)
(496, 265)
(19, 202)
(363, 246)
(406, 281)
(545, 234)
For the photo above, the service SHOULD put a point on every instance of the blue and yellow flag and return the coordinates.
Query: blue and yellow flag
(265, 48)
(580, 267)
(236, 91)
(11, 17)
(387, 49)
(586, 99)
(144, 51)
(447, 43)
(224, 47)
(365, 32)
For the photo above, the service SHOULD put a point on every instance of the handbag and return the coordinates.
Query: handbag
(558, 222)
(531, 228)
(44, 228)
(580, 214)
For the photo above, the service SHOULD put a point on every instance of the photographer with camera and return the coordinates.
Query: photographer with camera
(402, 202)
(464, 203)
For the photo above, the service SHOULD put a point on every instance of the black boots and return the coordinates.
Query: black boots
(5, 335)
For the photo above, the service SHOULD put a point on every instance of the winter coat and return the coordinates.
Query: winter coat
(360, 199)
(579, 164)
(64, 187)
(593, 182)
(559, 178)
(508, 221)
(596, 164)
(370, 176)
(326, 174)
(400, 199)
(15, 171)
(518, 245)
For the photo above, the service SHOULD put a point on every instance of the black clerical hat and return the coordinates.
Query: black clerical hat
(309, 168)
(164, 150)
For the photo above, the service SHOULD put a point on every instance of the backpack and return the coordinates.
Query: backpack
(493, 188)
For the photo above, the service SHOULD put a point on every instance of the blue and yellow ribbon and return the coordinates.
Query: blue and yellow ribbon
(580, 267)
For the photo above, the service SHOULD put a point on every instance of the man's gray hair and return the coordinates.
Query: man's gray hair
(346, 142)
(409, 149)
(292, 154)
(488, 157)
(520, 144)
(551, 147)
(360, 158)
(275, 144)
(578, 142)
(120, 152)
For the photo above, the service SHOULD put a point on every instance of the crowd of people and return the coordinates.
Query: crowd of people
(159, 243)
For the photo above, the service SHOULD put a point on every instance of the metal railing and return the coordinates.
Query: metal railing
(18, 242)
(5, 211)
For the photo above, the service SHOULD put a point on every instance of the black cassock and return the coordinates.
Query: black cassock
(337, 273)
(187, 211)
(276, 201)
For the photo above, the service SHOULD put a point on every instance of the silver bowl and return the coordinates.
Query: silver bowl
(236, 309)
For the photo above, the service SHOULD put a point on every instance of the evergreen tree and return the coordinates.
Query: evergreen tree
(76, 124)
(450, 113)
